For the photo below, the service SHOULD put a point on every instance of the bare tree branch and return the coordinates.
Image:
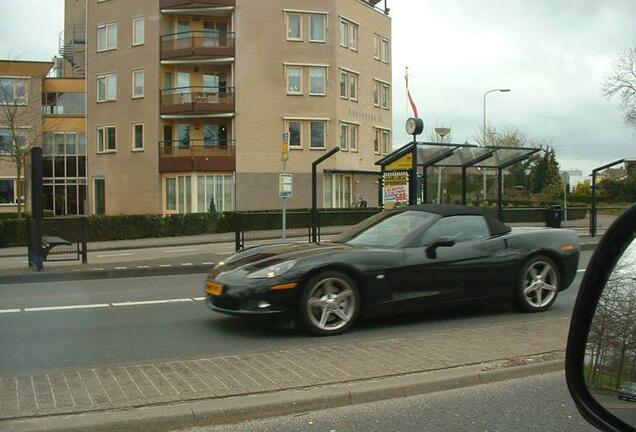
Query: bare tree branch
(621, 83)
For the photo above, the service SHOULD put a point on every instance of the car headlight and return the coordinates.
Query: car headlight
(218, 265)
(272, 271)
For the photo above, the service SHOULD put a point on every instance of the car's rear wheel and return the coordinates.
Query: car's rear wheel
(329, 304)
(538, 286)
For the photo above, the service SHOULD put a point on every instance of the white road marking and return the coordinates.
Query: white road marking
(165, 265)
(97, 269)
(179, 250)
(187, 264)
(580, 271)
(152, 302)
(121, 268)
(208, 263)
(114, 255)
(8, 311)
(198, 298)
(54, 308)
(143, 267)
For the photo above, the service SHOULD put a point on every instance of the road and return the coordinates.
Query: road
(100, 322)
(540, 403)
(625, 410)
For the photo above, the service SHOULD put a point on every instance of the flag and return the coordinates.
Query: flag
(408, 92)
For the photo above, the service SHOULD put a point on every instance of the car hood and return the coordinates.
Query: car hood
(264, 256)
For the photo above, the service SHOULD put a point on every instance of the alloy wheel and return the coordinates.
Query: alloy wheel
(331, 304)
(540, 284)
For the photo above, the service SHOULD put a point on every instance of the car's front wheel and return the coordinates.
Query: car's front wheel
(538, 285)
(329, 304)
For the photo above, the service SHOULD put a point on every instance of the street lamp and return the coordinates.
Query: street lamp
(485, 143)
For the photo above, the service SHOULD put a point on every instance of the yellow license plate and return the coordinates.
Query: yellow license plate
(214, 289)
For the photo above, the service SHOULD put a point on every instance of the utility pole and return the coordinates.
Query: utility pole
(284, 182)
(485, 139)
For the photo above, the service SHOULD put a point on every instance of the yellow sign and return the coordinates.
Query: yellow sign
(214, 289)
(285, 153)
(404, 163)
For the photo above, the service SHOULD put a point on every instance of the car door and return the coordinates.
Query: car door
(466, 270)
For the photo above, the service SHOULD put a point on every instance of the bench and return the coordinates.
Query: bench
(49, 242)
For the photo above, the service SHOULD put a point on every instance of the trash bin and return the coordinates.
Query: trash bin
(554, 216)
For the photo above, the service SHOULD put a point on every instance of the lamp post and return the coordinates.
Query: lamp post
(484, 130)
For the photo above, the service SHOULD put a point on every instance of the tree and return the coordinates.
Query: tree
(545, 176)
(583, 188)
(20, 128)
(621, 82)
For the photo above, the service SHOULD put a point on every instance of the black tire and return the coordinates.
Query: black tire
(536, 300)
(321, 290)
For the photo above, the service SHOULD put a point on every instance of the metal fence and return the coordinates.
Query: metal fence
(62, 239)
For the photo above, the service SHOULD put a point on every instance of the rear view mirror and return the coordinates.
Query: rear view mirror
(431, 250)
(601, 351)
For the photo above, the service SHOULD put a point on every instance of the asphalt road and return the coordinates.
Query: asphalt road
(99, 322)
(624, 410)
(540, 403)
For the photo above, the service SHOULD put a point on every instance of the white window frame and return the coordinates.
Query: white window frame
(94, 195)
(135, 72)
(324, 81)
(377, 141)
(385, 50)
(288, 26)
(354, 131)
(385, 95)
(386, 144)
(107, 86)
(300, 85)
(325, 123)
(377, 46)
(344, 136)
(345, 74)
(300, 122)
(134, 137)
(108, 28)
(377, 93)
(15, 191)
(324, 29)
(354, 31)
(343, 33)
(354, 78)
(14, 90)
(102, 132)
(135, 21)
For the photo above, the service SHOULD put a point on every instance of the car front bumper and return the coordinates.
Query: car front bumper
(628, 396)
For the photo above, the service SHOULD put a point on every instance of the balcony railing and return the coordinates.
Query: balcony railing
(197, 45)
(197, 155)
(199, 100)
(194, 4)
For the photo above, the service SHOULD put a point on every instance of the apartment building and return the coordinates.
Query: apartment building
(49, 113)
(188, 101)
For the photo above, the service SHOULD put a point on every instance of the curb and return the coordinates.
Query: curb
(238, 409)
(80, 275)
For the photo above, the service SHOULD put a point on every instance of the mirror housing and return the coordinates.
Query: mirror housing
(608, 253)
(431, 250)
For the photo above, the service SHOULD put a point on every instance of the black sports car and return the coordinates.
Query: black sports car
(394, 261)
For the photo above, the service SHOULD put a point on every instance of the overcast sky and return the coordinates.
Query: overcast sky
(551, 53)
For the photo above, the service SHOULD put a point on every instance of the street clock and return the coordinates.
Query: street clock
(414, 126)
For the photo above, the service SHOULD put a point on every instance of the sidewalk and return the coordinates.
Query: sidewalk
(261, 376)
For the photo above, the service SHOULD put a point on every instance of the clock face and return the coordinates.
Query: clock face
(414, 126)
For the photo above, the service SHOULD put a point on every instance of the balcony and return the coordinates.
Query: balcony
(197, 100)
(197, 45)
(202, 7)
(197, 155)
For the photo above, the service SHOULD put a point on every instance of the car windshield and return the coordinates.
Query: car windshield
(629, 386)
(387, 230)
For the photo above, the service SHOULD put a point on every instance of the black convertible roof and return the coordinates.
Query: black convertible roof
(444, 210)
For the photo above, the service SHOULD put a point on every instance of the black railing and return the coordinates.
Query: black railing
(207, 42)
(197, 98)
(196, 147)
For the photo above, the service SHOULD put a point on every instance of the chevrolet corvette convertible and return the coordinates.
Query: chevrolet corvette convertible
(395, 261)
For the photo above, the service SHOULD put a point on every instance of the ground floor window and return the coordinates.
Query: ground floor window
(199, 193)
(99, 194)
(64, 196)
(8, 195)
(338, 191)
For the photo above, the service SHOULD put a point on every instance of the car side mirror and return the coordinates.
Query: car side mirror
(600, 360)
(431, 250)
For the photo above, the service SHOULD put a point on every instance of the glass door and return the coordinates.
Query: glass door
(183, 87)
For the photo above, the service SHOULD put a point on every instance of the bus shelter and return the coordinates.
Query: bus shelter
(401, 169)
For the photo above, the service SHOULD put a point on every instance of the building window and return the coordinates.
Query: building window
(138, 83)
(386, 95)
(353, 36)
(13, 91)
(317, 81)
(344, 32)
(295, 129)
(8, 194)
(377, 140)
(344, 136)
(386, 142)
(353, 140)
(171, 194)
(353, 87)
(139, 25)
(294, 80)
(318, 131)
(138, 137)
(385, 50)
(338, 191)
(106, 139)
(64, 104)
(217, 191)
(106, 37)
(7, 144)
(106, 88)
(317, 28)
(376, 46)
(344, 82)
(376, 93)
(294, 27)
(99, 189)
